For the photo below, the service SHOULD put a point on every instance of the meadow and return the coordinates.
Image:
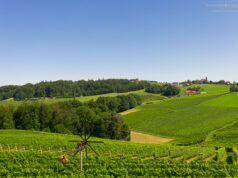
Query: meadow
(209, 88)
(229, 100)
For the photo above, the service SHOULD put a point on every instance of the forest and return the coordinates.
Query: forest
(69, 117)
(165, 90)
(70, 89)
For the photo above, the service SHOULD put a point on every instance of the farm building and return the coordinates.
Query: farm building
(187, 84)
(176, 84)
(190, 92)
(203, 80)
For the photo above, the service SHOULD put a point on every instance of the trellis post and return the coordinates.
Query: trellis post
(81, 160)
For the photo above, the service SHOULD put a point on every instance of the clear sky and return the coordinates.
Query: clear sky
(162, 40)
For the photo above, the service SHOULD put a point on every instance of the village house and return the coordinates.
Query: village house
(203, 80)
(227, 82)
(190, 92)
(176, 84)
(187, 84)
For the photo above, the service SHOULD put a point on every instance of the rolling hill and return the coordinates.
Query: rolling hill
(187, 118)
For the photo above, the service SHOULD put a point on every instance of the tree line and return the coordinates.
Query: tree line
(165, 90)
(220, 82)
(70, 89)
(70, 117)
(195, 88)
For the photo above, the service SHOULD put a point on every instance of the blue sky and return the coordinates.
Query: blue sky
(162, 40)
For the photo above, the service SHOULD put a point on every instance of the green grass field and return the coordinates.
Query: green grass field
(209, 88)
(229, 100)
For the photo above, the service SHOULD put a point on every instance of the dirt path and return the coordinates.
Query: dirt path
(145, 138)
(209, 158)
(129, 111)
(192, 159)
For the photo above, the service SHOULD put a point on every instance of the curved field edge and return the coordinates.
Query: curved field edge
(225, 136)
(181, 117)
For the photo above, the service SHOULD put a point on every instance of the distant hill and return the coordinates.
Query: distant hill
(70, 89)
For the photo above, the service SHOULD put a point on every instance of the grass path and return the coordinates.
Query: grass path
(145, 138)
(129, 111)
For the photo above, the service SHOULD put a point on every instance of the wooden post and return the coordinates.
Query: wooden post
(217, 156)
(200, 157)
(168, 154)
(81, 160)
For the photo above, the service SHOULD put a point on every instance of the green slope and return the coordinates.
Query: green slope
(229, 100)
(181, 117)
(224, 137)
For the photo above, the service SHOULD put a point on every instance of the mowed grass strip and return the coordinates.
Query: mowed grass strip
(145, 138)
(181, 117)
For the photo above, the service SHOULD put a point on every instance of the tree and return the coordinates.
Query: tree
(124, 104)
(27, 117)
(114, 126)
(61, 115)
(132, 101)
(6, 117)
(45, 116)
(86, 118)
(234, 88)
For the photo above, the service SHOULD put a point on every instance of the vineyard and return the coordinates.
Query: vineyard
(31, 153)
(206, 123)
(187, 119)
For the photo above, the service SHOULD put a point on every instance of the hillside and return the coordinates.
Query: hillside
(188, 118)
(206, 122)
